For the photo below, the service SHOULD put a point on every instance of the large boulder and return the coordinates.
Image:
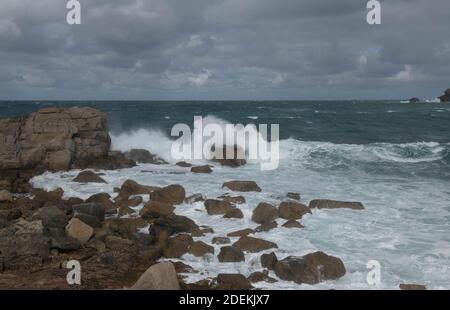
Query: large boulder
(215, 207)
(253, 245)
(103, 199)
(233, 282)
(334, 204)
(155, 209)
(161, 276)
(242, 186)
(144, 156)
(264, 213)
(311, 268)
(178, 246)
(79, 230)
(291, 210)
(199, 248)
(231, 254)
(172, 194)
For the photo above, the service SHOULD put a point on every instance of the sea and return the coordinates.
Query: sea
(392, 156)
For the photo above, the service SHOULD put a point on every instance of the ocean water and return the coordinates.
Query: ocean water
(393, 157)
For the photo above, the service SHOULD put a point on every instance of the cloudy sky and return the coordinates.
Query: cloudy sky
(224, 49)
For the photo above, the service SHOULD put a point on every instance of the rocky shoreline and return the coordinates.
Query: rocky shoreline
(118, 247)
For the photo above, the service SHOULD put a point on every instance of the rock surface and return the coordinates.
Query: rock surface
(253, 245)
(242, 186)
(311, 268)
(334, 204)
(264, 213)
(231, 156)
(161, 276)
(231, 254)
(291, 210)
(144, 156)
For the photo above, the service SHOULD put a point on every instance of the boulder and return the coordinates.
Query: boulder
(221, 240)
(242, 186)
(233, 199)
(231, 254)
(90, 208)
(215, 207)
(294, 196)
(5, 185)
(259, 276)
(194, 198)
(293, 224)
(183, 164)
(241, 233)
(161, 276)
(130, 187)
(178, 246)
(111, 161)
(64, 244)
(79, 230)
(234, 213)
(269, 261)
(88, 219)
(412, 287)
(51, 217)
(227, 155)
(174, 224)
(291, 210)
(446, 96)
(264, 213)
(88, 177)
(201, 169)
(155, 209)
(334, 204)
(266, 226)
(144, 156)
(199, 248)
(311, 268)
(253, 245)
(172, 194)
(103, 199)
(5, 196)
(233, 282)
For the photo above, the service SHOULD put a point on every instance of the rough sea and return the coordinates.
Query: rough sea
(393, 157)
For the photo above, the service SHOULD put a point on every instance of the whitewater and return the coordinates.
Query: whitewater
(403, 186)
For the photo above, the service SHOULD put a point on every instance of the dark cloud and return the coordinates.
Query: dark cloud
(223, 49)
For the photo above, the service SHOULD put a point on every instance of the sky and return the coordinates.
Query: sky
(224, 50)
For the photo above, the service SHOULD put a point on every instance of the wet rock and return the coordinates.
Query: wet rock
(183, 164)
(291, 210)
(172, 194)
(264, 213)
(155, 209)
(161, 276)
(293, 224)
(414, 100)
(266, 226)
(199, 248)
(174, 224)
(242, 186)
(269, 261)
(88, 177)
(231, 254)
(253, 245)
(88, 219)
(446, 96)
(227, 155)
(130, 188)
(5, 196)
(221, 240)
(233, 199)
(144, 156)
(215, 207)
(178, 246)
(104, 199)
(201, 169)
(51, 217)
(311, 268)
(194, 198)
(241, 233)
(334, 204)
(79, 230)
(233, 282)
(294, 196)
(90, 208)
(259, 276)
(234, 213)
(113, 160)
(65, 244)
(412, 287)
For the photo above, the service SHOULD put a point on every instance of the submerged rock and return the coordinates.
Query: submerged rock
(201, 169)
(334, 204)
(242, 186)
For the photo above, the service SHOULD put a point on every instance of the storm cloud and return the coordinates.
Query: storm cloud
(223, 49)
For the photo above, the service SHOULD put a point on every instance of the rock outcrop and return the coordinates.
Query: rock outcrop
(446, 96)
(55, 139)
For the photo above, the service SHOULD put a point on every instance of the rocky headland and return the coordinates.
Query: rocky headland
(40, 231)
